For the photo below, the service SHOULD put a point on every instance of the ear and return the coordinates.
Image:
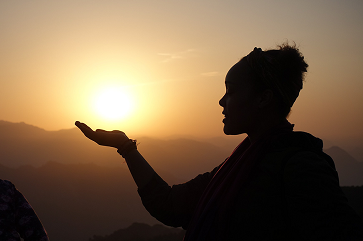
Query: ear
(266, 98)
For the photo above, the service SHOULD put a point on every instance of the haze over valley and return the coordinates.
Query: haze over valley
(80, 189)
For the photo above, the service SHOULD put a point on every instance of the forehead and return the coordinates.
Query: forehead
(240, 73)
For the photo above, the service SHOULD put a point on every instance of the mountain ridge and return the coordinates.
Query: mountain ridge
(80, 189)
(22, 144)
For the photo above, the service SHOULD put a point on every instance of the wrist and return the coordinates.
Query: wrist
(127, 147)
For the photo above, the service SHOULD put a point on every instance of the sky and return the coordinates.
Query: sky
(169, 58)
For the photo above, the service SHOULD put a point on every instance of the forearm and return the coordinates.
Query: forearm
(154, 191)
(140, 169)
(174, 205)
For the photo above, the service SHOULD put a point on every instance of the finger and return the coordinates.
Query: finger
(77, 123)
(87, 131)
(81, 125)
(84, 128)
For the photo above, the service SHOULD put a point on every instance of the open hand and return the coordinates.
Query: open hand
(104, 138)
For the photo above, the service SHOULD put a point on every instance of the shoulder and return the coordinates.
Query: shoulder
(307, 161)
(300, 152)
(296, 139)
(311, 172)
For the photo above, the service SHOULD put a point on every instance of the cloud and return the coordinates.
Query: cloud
(177, 55)
(210, 74)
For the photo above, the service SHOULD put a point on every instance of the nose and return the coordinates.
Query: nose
(222, 101)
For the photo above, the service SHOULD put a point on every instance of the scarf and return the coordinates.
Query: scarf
(212, 214)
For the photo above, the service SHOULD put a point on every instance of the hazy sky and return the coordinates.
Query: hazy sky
(171, 58)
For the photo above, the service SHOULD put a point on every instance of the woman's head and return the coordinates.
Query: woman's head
(261, 89)
(280, 70)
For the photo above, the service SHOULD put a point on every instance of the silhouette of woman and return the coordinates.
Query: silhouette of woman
(278, 184)
(17, 217)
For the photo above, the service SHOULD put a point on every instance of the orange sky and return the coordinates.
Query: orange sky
(171, 57)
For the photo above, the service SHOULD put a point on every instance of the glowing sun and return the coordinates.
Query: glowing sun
(113, 103)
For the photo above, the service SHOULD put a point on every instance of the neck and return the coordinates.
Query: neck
(264, 126)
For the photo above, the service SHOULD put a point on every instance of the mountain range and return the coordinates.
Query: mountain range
(81, 190)
(143, 232)
(78, 201)
(23, 144)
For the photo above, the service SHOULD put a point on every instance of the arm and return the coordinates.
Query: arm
(172, 206)
(139, 168)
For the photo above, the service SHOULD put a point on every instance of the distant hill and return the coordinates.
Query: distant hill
(143, 232)
(77, 201)
(350, 170)
(22, 144)
(80, 189)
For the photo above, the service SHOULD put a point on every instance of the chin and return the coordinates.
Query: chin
(230, 131)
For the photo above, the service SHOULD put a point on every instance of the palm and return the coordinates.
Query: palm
(102, 137)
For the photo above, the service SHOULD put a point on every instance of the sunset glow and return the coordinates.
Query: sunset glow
(63, 61)
(113, 103)
(156, 71)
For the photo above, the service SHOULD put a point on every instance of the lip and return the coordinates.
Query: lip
(224, 119)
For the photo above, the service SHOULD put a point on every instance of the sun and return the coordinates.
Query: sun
(113, 103)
